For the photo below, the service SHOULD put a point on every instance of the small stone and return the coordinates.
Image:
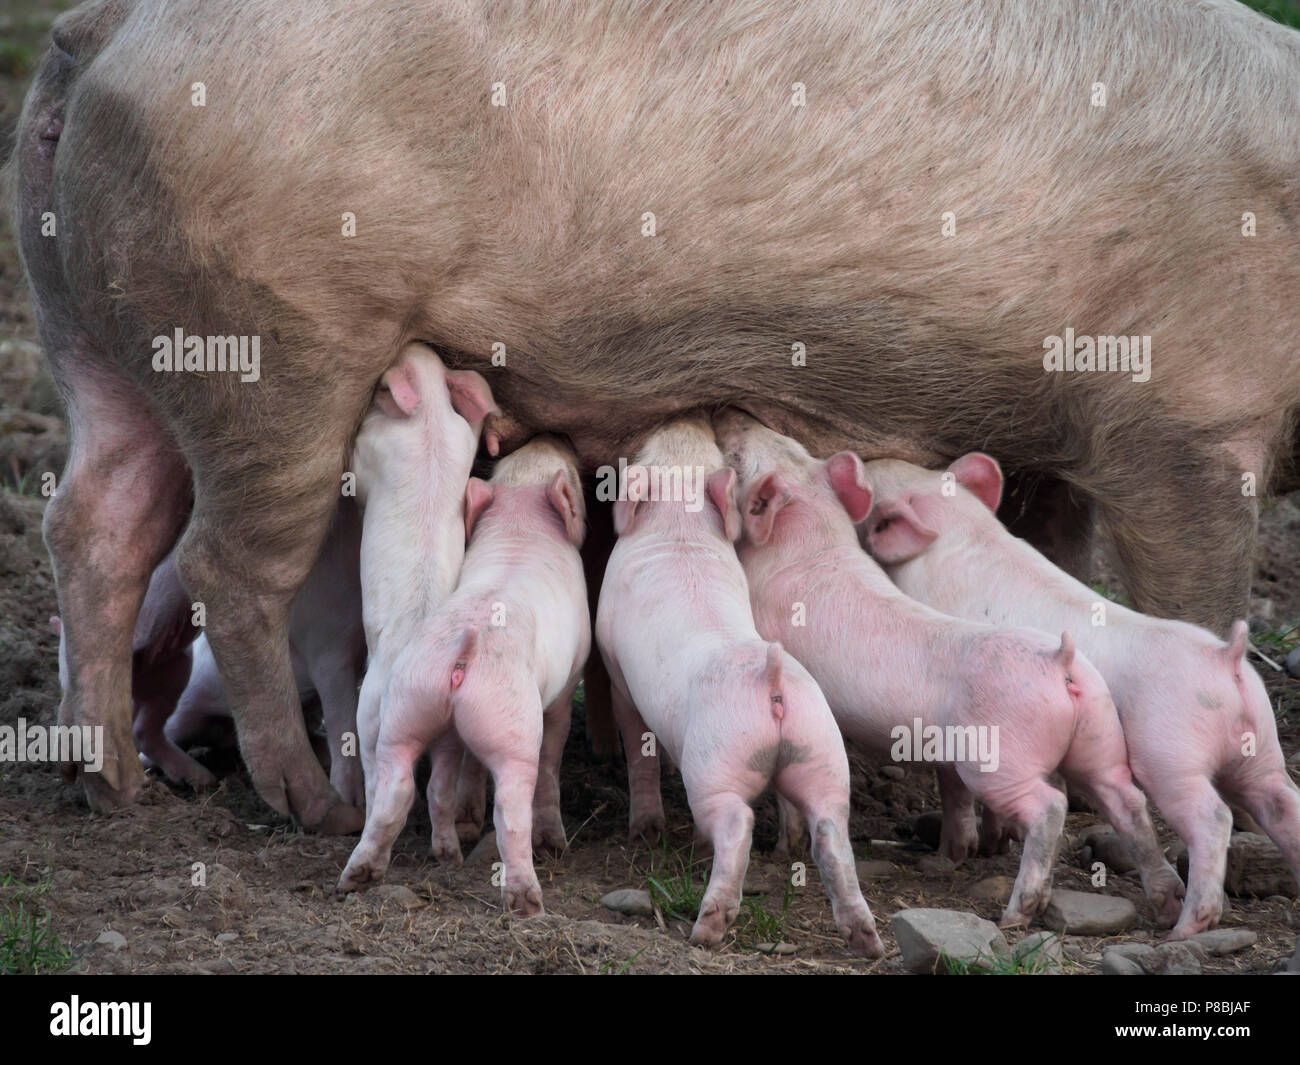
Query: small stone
(485, 850)
(993, 889)
(927, 826)
(1220, 941)
(1040, 952)
(1115, 964)
(1103, 845)
(400, 894)
(924, 935)
(632, 901)
(1293, 667)
(1082, 914)
(114, 941)
(1172, 959)
(935, 865)
(762, 881)
(1256, 868)
(893, 772)
(876, 870)
(227, 937)
(775, 948)
(1132, 951)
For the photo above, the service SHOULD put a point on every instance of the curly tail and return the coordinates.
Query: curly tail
(464, 653)
(772, 678)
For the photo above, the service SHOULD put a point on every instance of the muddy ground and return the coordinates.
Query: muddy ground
(219, 884)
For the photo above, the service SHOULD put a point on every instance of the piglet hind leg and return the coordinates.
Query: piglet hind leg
(245, 562)
(548, 824)
(394, 794)
(646, 817)
(444, 771)
(514, 781)
(958, 836)
(1202, 819)
(1038, 809)
(1274, 802)
(118, 509)
(471, 800)
(823, 802)
(728, 822)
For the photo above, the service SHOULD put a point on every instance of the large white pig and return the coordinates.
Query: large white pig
(734, 712)
(1196, 717)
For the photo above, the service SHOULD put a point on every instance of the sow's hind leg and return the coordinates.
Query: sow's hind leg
(117, 511)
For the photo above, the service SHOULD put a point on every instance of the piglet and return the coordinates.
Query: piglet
(734, 712)
(1196, 716)
(497, 662)
(1021, 703)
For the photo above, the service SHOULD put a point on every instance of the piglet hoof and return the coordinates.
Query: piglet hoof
(862, 938)
(710, 925)
(1168, 904)
(340, 820)
(356, 878)
(548, 835)
(525, 901)
(105, 797)
(447, 850)
(649, 827)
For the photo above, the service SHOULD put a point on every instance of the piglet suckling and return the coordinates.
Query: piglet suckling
(1196, 717)
(1008, 706)
(733, 711)
(497, 661)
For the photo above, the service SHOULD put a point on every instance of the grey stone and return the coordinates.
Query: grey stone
(935, 865)
(111, 940)
(632, 901)
(1101, 844)
(923, 935)
(1132, 951)
(1115, 964)
(1041, 951)
(1293, 667)
(1172, 959)
(775, 948)
(1084, 914)
(993, 889)
(227, 937)
(1220, 941)
(400, 894)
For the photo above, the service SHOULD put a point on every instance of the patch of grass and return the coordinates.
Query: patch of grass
(672, 886)
(1278, 642)
(605, 969)
(758, 925)
(1286, 12)
(16, 58)
(1114, 596)
(1032, 963)
(28, 943)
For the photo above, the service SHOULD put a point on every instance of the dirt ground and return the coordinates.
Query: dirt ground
(219, 884)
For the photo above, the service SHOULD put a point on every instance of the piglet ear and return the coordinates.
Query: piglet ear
(721, 488)
(560, 493)
(981, 475)
(397, 396)
(470, 395)
(849, 479)
(478, 497)
(767, 497)
(896, 534)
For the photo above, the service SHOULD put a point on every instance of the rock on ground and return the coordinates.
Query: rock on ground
(632, 901)
(924, 935)
(1083, 914)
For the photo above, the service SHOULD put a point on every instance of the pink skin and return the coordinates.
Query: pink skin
(883, 659)
(1186, 698)
(734, 712)
(493, 668)
(326, 642)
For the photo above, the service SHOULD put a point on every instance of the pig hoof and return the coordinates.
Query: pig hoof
(104, 798)
(649, 827)
(356, 879)
(863, 940)
(549, 839)
(447, 851)
(340, 820)
(712, 922)
(526, 902)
